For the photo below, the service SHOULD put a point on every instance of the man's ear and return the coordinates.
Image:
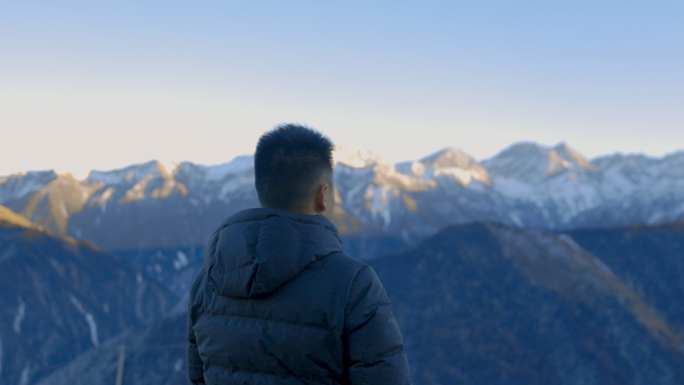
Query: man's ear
(321, 205)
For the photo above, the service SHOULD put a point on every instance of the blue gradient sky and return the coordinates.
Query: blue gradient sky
(105, 84)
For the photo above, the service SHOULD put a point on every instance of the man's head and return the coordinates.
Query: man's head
(293, 170)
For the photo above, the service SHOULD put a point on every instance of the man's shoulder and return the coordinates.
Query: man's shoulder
(343, 263)
(342, 270)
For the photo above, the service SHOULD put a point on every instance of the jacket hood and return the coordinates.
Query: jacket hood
(255, 251)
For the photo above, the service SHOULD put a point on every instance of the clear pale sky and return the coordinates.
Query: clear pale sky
(100, 85)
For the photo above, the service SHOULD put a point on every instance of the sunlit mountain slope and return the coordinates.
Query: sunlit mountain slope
(60, 297)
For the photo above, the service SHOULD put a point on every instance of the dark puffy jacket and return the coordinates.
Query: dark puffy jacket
(277, 302)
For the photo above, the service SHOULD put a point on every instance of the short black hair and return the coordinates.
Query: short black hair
(288, 161)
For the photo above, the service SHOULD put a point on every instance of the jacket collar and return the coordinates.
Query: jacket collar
(255, 251)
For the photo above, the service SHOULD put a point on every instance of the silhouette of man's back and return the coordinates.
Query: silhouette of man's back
(277, 301)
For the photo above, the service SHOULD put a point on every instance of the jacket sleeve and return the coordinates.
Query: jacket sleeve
(194, 362)
(374, 351)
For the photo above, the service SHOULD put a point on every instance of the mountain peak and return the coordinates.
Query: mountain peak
(167, 168)
(354, 157)
(238, 164)
(450, 162)
(449, 157)
(572, 156)
(561, 146)
(135, 172)
(21, 184)
(531, 162)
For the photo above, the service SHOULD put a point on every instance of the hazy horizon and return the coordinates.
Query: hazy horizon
(104, 85)
(81, 174)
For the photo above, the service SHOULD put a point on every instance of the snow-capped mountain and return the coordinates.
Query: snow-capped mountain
(558, 181)
(531, 164)
(154, 204)
(137, 206)
(569, 190)
(415, 199)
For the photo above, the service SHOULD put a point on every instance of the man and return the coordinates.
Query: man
(277, 301)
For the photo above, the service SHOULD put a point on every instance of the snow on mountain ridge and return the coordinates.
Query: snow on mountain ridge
(449, 157)
(21, 184)
(449, 162)
(238, 164)
(168, 168)
(573, 157)
(519, 169)
(133, 172)
(354, 157)
(527, 184)
(457, 164)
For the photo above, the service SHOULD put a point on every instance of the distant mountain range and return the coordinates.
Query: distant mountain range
(527, 185)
